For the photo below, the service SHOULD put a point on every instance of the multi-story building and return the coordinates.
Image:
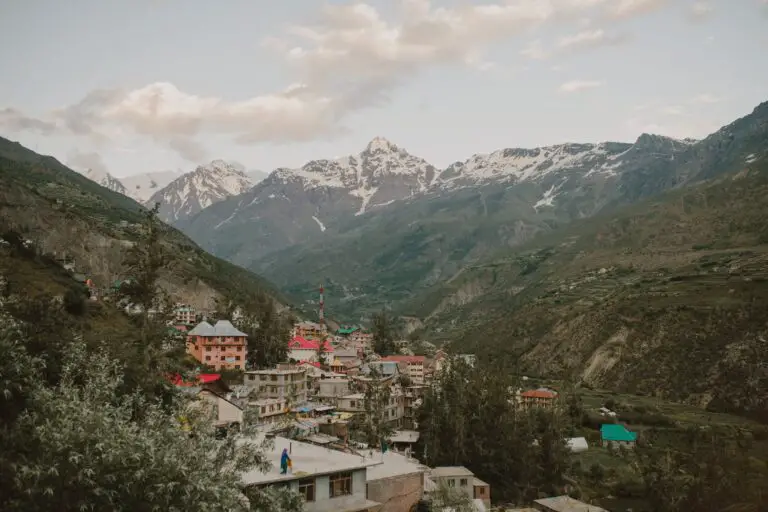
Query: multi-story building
(270, 410)
(544, 398)
(288, 384)
(462, 480)
(413, 396)
(328, 480)
(310, 330)
(185, 314)
(219, 346)
(414, 366)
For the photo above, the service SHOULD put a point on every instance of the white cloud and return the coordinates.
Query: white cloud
(579, 85)
(350, 59)
(535, 51)
(700, 10)
(630, 8)
(705, 99)
(90, 162)
(672, 110)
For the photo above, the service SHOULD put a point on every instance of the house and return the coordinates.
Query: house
(537, 398)
(347, 331)
(271, 411)
(577, 444)
(287, 384)
(404, 440)
(414, 366)
(225, 411)
(385, 369)
(346, 355)
(482, 492)
(564, 504)
(185, 314)
(328, 480)
(454, 477)
(303, 349)
(397, 483)
(210, 381)
(310, 330)
(612, 434)
(330, 390)
(219, 346)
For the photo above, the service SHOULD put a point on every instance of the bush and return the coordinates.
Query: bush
(74, 302)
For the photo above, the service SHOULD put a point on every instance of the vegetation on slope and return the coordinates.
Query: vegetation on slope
(664, 298)
(70, 217)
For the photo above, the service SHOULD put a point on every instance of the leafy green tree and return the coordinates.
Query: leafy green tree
(376, 398)
(91, 452)
(268, 330)
(384, 330)
(450, 498)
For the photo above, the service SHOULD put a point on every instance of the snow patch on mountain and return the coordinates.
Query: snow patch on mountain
(207, 184)
(142, 186)
(104, 179)
(322, 226)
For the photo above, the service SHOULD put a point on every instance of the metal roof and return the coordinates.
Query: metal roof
(222, 328)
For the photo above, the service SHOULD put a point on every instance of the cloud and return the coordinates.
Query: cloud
(700, 11)
(88, 161)
(350, 58)
(579, 85)
(705, 99)
(630, 8)
(535, 51)
(15, 121)
(672, 110)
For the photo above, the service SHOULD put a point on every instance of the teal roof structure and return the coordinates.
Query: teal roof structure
(613, 432)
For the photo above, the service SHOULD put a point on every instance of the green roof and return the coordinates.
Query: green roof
(612, 432)
(347, 330)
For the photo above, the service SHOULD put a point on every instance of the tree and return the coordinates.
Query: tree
(376, 398)
(268, 331)
(451, 498)
(91, 452)
(384, 331)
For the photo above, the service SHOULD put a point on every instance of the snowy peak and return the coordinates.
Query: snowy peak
(380, 145)
(207, 184)
(142, 186)
(104, 179)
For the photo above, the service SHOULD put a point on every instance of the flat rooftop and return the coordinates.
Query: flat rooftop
(391, 464)
(307, 459)
(449, 471)
(567, 504)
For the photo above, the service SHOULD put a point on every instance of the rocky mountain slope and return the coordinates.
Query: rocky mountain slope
(661, 298)
(68, 216)
(207, 184)
(401, 226)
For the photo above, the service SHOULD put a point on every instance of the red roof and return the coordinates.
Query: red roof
(405, 359)
(203, 378)
(316, 364)
(537, 393)
(304, 344)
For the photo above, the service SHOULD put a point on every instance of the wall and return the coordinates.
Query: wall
(398, 493)
(323, 502)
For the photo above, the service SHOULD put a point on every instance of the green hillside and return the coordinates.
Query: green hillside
(74, 219)
(665, 298)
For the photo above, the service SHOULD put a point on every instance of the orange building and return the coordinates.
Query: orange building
(538, 398)
(220, 346)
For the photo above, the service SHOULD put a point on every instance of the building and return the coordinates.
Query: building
(329, 480)
(404, 440)
(564, 504)
(346, 355)
(482, 492)
(386, 369)
(271, 411)
(330, 390)
(577, 444)
(612, 434)
(455, 477)
(310, 330)
(185, 314)
(303, 349)
(397, 483)
(220, 346)
(225, 411)
(538, 398)
(286, 384)
(346, 332)
(414, 366)
(413, 397)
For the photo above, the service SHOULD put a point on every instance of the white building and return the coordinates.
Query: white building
(286, 384)
(329, 480)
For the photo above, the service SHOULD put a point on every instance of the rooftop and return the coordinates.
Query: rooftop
(304, 344)
(404, 359)
(404, 436)
(567, 504)
(222, 328)
(538, 393)
(275, 371)
(392, 464)
(614, 432)
(306, 459)
(448, 471)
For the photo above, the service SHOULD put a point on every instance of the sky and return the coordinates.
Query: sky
(136, 86)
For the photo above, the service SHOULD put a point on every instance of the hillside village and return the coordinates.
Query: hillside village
(316, 405)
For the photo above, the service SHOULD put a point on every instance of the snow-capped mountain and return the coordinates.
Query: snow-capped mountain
(104, 179)
(142, 186)
(296, 206)
(190, 193)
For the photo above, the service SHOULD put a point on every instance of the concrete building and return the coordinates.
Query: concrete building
(414, 366)
(455, 477)
(544, 398)
(225, 412)
(310, 330)
(185, 314)
(219, 346)
(286, 384)
(329, 480)
(330, 390)
(617, 435)
(397, 483)
(303, 349)
(271, 411)
(482, 492)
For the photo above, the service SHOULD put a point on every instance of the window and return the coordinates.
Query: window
(237, 358)
(463, 482)
(223, 358)
(251, 377)
(207, 358)
(340, 484)
(451, 483)
(307, 489)
(481, 491)
(207, 349)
